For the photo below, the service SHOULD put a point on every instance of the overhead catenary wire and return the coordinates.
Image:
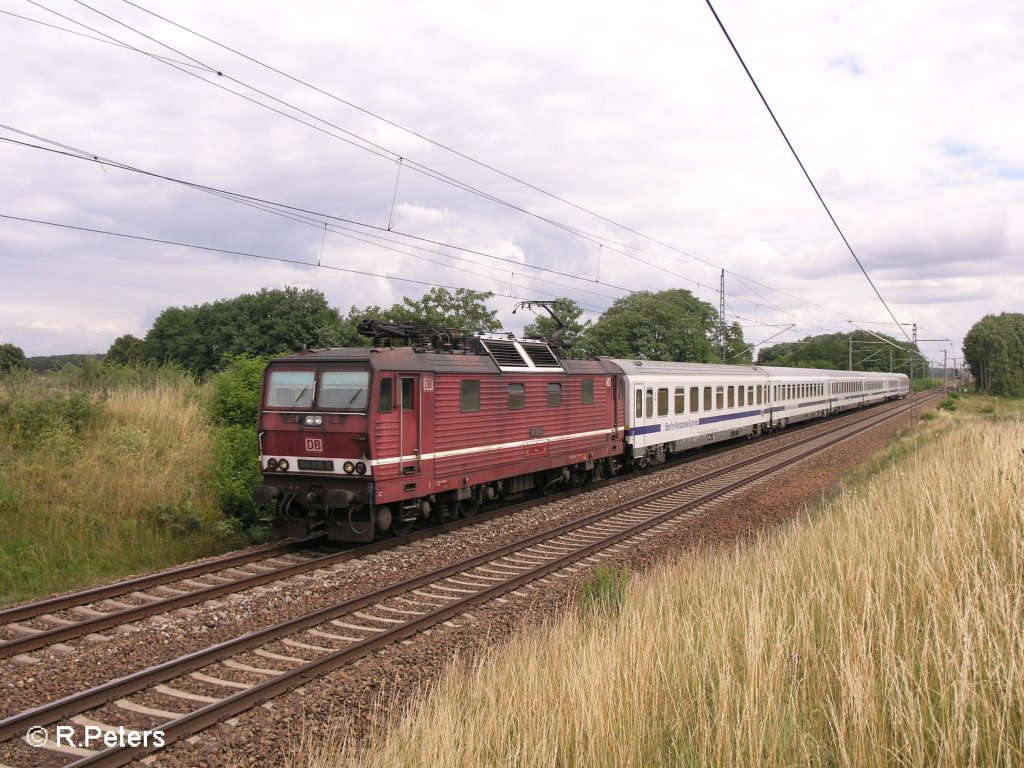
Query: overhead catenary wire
(384, 152)
(802, 168)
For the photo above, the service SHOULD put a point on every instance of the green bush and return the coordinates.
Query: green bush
(236, 392)
(928, 416)
(62, 417)
(236, 469)
(949, 404)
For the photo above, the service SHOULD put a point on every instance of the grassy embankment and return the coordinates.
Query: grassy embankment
(885, 629)
(103, 472)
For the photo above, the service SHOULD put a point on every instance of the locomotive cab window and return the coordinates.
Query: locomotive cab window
(469, 395)
(554, 394)
(344, 390)
(291, 389)
(588, 392)
(408, 388)
(386, 400)
(516, 396)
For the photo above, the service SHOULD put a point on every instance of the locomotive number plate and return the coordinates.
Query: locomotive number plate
(315, 444)
(317, 465)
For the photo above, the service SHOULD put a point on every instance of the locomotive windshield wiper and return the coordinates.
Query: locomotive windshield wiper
(301, 393)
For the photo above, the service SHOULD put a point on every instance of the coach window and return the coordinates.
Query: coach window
(757, 389)
(742, 396)
(588, 392)
(707, 398)
(516, 396)
(732, 397)
(680, 403)
(663, 401)
(386, 401)
(554, 394)
(694, 399)
(650, 403)
(719, 398)
(408, 387)
(470, 395)
(639, 403)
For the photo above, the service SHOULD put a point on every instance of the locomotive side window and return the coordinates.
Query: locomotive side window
(516, 396)
(470, 395)
(694, 399)
(408, 387)
(386, 401)
(663, 401)
(291, 389)
(588, 392)
(554, 394)
(680, 404)
(348, 390)
(707, 398)
(639, 403)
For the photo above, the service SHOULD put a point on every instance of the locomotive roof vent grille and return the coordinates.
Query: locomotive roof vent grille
(511, 355)
(540, 354)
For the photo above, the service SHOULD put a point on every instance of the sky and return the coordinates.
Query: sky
(531, 149)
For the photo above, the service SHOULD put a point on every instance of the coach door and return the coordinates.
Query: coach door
(409, 424)
(643, 412)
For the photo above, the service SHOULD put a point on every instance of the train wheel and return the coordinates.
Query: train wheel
(400, 527)
(468, 508)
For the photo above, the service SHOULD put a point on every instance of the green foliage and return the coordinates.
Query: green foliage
(949, 404)
(234, 406)
(604, 593)
(11, 358)
(126, 350)
(51, 422)
(45, 363)
(236, 469)
(928, 416)
(545, 327)
(465, 309)
(994, 349)
(831, 351)
(235, 398)
(669, 325)
(263, 324)
(920, 385)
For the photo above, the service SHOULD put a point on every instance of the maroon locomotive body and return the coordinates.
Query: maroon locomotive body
(360, 442)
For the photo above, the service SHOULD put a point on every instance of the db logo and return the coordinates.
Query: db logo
(315, 444)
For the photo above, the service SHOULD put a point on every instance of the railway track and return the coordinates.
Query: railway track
(33, 626)
(183, 696)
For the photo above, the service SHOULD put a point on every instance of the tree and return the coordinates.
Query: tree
(267, 323)
(464, 310)
(667, 325)
(11, 357)
(831, 351)
(126, 350)
(544, 327)
(994, 349)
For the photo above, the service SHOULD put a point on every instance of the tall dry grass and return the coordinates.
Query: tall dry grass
(99, 481)
(884, 630)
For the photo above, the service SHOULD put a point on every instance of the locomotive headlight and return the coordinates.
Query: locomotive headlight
(313, 420)
(349, 467)
(360, 468)
(283, 465)
(271, 464)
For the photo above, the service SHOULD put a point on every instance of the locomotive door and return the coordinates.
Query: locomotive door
(409, 425)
